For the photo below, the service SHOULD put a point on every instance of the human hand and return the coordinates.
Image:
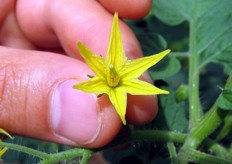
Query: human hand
(37, 99)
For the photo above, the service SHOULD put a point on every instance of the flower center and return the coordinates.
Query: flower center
(112, 76)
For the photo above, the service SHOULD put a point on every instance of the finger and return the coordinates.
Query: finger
(5, 7)
(37, 100)
(72, 21)
(67, 22)
(11, 35)
(128, 9)
(142, 109)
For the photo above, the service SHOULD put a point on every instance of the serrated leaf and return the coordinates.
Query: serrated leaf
(213, 26)
(224, 101)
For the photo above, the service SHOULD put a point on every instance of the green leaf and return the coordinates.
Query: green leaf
(165, 68)
(212, 21)
(224, 101)
(173, 113)
(152, 42)
(172, 12)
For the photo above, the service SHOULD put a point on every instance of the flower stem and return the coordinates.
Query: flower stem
(51, 158)
(25, 149)
(68, 155)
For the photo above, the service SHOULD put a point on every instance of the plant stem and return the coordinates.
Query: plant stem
(194, 102)
(172, 152)
(138, 135)
(209, 123)
(226, 129)
(206, 126)
(51, 158)
(203, 158)
(25, 149)
(68, 155)
(86, 156)
(157, 135)
(217, 149)
(181, 54)
(146, 135)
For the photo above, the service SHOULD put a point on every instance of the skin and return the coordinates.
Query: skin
(38, 51)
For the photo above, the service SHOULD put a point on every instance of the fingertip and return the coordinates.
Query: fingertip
(128, 9)
(82, 118)
(45, 105)
(141, 109)
(110, 125)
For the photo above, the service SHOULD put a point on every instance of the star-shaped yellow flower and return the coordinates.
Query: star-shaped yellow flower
(116, 75)
(3, 150)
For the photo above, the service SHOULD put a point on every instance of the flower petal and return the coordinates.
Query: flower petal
(119, 100)
(95, 62)
(95, 85)
(2, 151)
(2, 131)
(133, 69)
(138, 87)
(115, 53)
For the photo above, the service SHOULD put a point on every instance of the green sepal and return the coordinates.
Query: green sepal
(90, 76)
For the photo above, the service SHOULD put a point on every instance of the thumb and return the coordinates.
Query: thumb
(37, 100)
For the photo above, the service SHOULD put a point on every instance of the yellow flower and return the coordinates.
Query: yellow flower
(116, 75)
(3, 150)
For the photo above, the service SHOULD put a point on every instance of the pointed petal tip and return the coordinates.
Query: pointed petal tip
(115, 20)
(123, 120)
(77, 86)
(165, 92)
(2, 131)
(82, 47)
(167, 51)
(163, 53)
(79, 44)
(116, 14)
(122, 117)
(2, 152)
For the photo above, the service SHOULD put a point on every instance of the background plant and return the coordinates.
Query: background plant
(194, 122)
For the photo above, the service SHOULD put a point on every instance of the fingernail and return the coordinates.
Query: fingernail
(74, 114)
